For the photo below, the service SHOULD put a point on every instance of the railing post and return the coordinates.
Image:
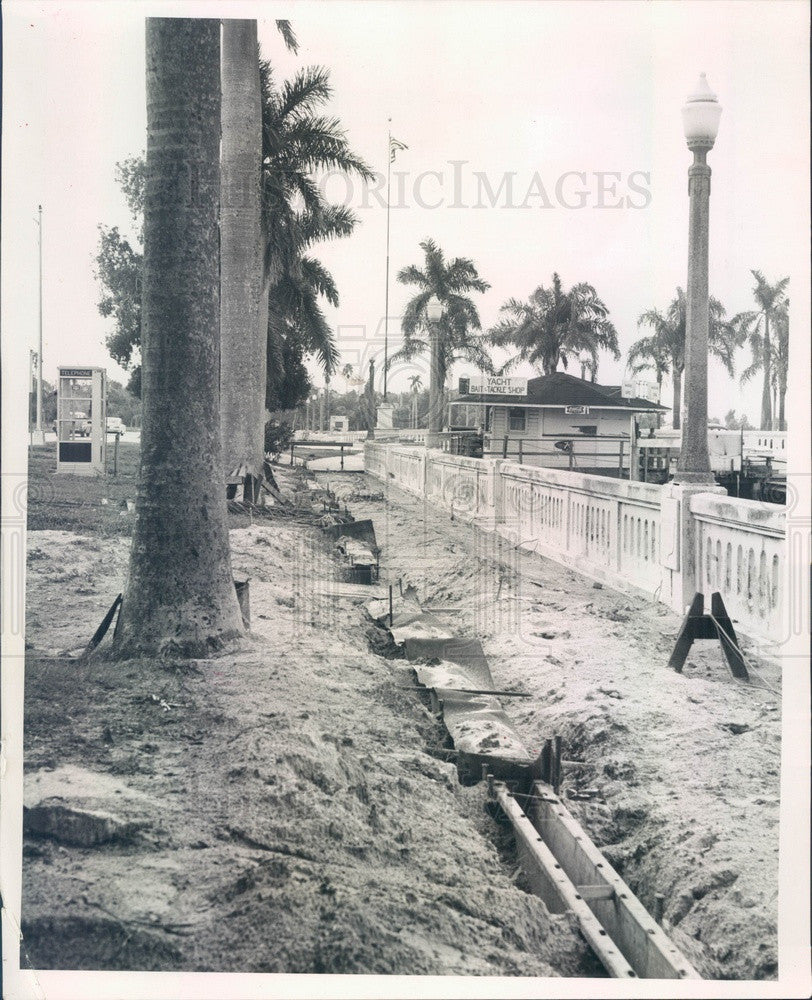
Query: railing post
(521, 450)
(505, 447)
(497, 492)
(620, 464)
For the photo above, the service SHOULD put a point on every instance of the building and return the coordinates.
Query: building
(556, 421)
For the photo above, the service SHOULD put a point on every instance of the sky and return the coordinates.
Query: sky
(541, 137)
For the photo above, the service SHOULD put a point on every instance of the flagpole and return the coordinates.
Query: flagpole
(386, 313)
(40, 427)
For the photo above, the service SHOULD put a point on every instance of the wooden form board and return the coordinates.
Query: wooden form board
(646, 947)
(340, 589)
(549, 881)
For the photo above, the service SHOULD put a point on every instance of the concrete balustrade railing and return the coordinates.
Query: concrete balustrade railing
(628, 534)
(740, 550)
(767, 442)
(345, 437)
(608, 528)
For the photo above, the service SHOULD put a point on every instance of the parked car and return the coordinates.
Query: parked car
(116, 424)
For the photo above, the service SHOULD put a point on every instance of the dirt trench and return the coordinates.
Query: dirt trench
(675, 777)
(280, 808)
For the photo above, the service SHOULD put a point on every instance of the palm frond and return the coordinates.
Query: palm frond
(288, 35)
(308, 88)
(319, 279)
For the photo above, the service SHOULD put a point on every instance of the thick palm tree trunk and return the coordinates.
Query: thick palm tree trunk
(766, 402)
(244, 336)
(180, 597)
(676, 412)
(327, 404)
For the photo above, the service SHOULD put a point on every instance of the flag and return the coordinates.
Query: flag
(394, 146)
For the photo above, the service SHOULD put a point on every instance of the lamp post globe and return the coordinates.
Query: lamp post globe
(701, 115)
(434, 309)
(700, 119)
(434, 313)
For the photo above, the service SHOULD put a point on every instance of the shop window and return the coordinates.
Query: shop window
(517, 419)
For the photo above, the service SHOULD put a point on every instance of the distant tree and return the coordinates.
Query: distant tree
(777, 357)
(734, 423)
(48, 403)
(131, 177)
(756, 326)
(415, 381)
(555, 326)
(180, 598)
(452, 281)
(664, 350)
(118, 270)
(122, 403)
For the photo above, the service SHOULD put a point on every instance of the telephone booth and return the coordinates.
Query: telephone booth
(81, 421)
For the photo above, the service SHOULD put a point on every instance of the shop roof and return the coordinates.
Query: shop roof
(561, 389)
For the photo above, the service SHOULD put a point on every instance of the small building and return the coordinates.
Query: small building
(557, 421)
(81, 421)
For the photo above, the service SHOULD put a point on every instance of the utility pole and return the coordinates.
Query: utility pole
(39, 428)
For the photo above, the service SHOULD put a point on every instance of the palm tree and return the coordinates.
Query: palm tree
(755, 326)
(415, 381)
(451, 281)
(778, 361)
(180, 597)
(554, 326)
(664, 350)
(297, 141)
(243, 344)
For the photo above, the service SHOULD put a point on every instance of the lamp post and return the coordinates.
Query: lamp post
(700, 118)
(434, 313)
